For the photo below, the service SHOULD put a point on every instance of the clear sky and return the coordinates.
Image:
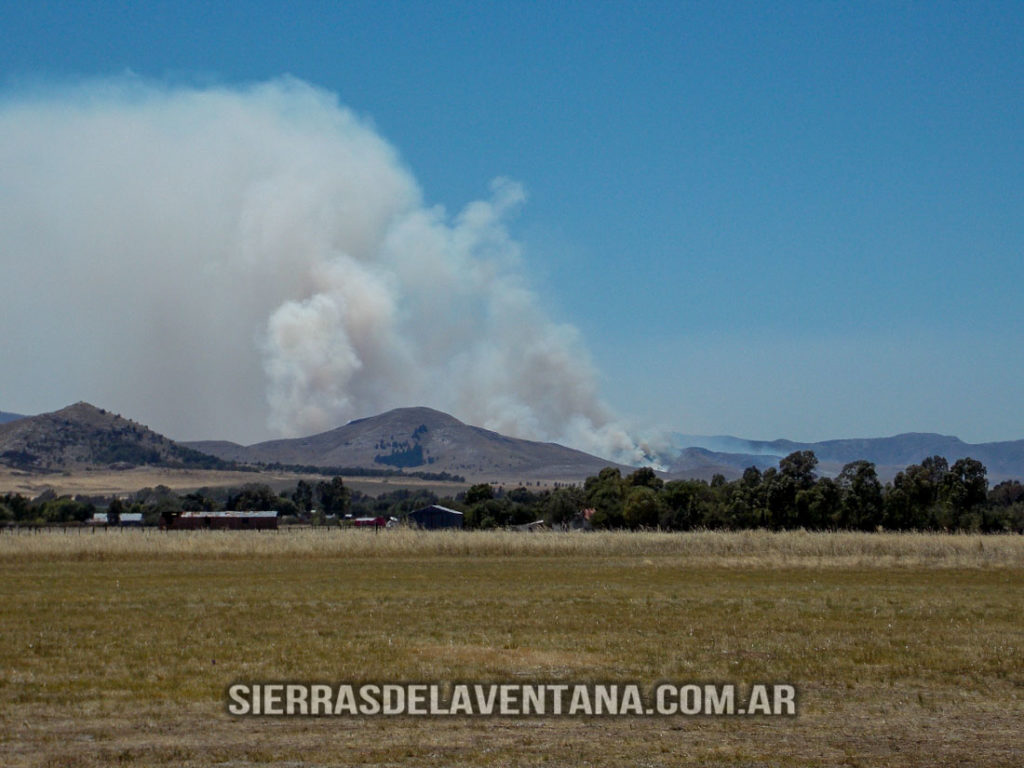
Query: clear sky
(772, 219)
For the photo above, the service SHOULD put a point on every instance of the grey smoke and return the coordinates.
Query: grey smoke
(243, 262)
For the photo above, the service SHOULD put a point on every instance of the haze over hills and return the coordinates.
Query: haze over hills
(701, 463)
(84, 436)
(419, 439)
(425, 440)
(6, 417)
(1004, 460)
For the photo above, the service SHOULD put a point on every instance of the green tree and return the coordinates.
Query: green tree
(790, 496)
(478, 493)
(912, 502)
(334, 497)
(682, 504)
(66, 510)
(645, 477)
(822, 502)
(303, 495)
(20, 507)
(861, 496)
(780, 500)
(253, 496)
(197, 501)
(762, 509)
(562, 505)
(605, 493)
(286, 507)
(114, 511)
(799, 467)
(642, 508)
(965, 490)
(1005, 510)
(743, 506)
(489, 513)
(158, 504)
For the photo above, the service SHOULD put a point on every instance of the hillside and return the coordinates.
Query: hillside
(700, 463)
(84, 436)
(424, 440)
(419, 439)
(1004, 460)
(6, 417)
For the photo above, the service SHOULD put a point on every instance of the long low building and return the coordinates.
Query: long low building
(125, 519)
(229, 520)
(435, 516)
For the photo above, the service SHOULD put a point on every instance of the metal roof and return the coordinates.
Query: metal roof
(443, 509)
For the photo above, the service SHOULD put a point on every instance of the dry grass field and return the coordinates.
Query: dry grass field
(117, 647)
(105, 482)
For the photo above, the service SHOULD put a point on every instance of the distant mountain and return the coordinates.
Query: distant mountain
(6, 417)
(700, 463)
(1003, 460)
(422, 439)
(83, 435)
(419, 439)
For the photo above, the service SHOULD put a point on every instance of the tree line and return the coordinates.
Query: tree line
(930, 496)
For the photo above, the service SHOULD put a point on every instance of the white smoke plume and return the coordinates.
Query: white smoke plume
(243, 262)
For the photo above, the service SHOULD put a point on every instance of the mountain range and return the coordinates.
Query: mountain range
(419, 439)
(1004, 460)
(422, 439)
(82, 436)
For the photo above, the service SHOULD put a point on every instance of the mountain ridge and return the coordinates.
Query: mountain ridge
(1004, 459)
(423, 439)
(418, 438)
(83, 436)
(6, 417)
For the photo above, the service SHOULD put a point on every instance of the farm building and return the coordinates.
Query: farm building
(226, 520)
(436, 516)
(536, 525)
(374, 522)
(130, 519)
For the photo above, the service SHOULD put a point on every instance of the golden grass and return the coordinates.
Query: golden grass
(730, 549)
(105, 482)
(117, 648)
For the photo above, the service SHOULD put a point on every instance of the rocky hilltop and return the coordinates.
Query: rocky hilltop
(83, 435)
(418, 439)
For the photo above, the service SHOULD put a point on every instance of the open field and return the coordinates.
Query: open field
(907, 650)
(109, 482)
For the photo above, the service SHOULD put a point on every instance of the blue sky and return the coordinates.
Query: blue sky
(796, 220)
